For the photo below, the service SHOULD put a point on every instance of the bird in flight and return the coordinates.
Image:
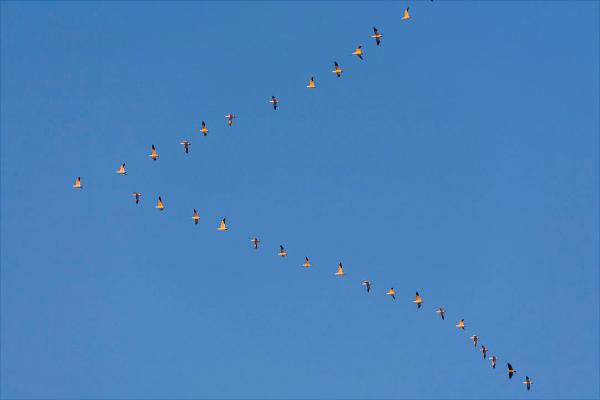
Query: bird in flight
(367, 284)
(484, 351)
(222, 225)
(274, 101)
(77, 184)
(306, 263)
(337, 69)
(160, 204)
(511, 370)
(137, 197)
(461, 324)
(358, 52)
(282, 252)
(230, 118)
(392, 293)
(441, 312)
(196, 217)
(418, 300)
(340, 270)
(474, 338)
(493, 360)
(406, 15)
(527, 382)
(121, 170)
(153, 154)
(204, 129)
(255, 242)
(186, 145)
(311, 83)
(377, 36)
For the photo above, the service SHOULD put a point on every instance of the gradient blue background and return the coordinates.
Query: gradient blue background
(459, 159)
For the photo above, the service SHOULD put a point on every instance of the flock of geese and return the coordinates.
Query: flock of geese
(282, 252)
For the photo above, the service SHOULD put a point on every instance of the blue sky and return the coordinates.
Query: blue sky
(459, 159)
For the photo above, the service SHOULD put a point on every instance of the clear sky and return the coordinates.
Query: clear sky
(459, 159)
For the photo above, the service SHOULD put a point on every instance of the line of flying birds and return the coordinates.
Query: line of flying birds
(282, 251)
